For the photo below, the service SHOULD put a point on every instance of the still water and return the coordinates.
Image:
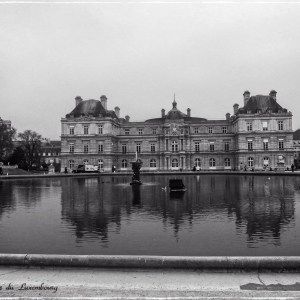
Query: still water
(218, 215)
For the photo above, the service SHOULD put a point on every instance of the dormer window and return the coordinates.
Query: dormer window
(259, 111)
(100, 116)
(249, 111)
(72, 116)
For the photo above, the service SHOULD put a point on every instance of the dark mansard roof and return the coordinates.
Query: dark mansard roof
(262, 103)
(91, 107)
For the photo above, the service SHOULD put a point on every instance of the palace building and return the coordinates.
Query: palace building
(258, 135)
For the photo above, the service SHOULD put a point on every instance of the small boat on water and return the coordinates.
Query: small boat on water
(176, 185)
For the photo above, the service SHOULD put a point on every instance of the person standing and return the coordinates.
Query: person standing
(292, 167)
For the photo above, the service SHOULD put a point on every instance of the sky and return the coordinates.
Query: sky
(139, 54)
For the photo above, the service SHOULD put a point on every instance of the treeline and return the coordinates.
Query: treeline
(22, 149)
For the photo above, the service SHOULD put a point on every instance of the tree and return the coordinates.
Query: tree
(7, 135)
(31, 143)
(18, 158)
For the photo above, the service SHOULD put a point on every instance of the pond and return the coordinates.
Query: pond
(217, 215)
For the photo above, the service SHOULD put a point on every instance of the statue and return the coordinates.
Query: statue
(136, 166)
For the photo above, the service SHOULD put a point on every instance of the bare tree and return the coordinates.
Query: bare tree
(31, 142)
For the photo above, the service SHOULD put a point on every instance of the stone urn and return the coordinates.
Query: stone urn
(136, 166)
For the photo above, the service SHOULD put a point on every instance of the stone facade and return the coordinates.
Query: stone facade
(257, 136)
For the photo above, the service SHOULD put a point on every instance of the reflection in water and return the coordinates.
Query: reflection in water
(136, 192)
(217, 215)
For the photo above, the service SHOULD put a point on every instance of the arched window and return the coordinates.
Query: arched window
(124, 163)
(174, 146)
(71, 164)
(85, 161)
(266, 161)
(250, 162)
(152, 163)
(198, 162)
(174, 163)
(100, 163)
(227, 162)
(212, 162)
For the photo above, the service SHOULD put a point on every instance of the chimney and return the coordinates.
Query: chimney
(188, 112)
(127, 118)
(104, 101)
(163, 115)
(235, 108)
(228, 116)
(117, 111)
(246, 97)
(78, 99)
(273, 94)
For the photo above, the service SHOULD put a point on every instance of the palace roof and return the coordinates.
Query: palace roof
(262, 103)
(91, 107)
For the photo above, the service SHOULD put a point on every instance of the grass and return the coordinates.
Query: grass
(15, 172)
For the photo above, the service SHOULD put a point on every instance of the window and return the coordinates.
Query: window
(197, 162)
(71, 147)
(174, 163)
(226, 146)
(250, 162)
(266, 161)
(212, 162)
(280, 125)
(196, 130)
(249, 111)
(100, 148)
(154, 131)
(100, 129)
(224, 129)
(227, 162)
(86, 148)
(209, 129)
(85, 161)
(265, 126)
(181, 144)
(86, 129)
(71, 164)
(250, 145)
(197, 146)
(152, 163)
(280, 144)
(124, 163)
(174, 146)
(100, 164)
(249, 126)
(140, 131)
(124, 148)
(126, 131)
(152, 147)
(71, 130)
(167, 145)
(211, 147)
(138, 148)
(266, 144)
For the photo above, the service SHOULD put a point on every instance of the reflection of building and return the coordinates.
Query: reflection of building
(257, 135)
(296, 140)
(50, 151)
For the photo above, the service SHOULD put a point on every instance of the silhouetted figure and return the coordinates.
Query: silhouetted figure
(66, 170)
(194, 168)
(1, 171)
(292, 167)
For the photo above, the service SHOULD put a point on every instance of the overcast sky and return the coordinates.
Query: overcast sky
(140, 54)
